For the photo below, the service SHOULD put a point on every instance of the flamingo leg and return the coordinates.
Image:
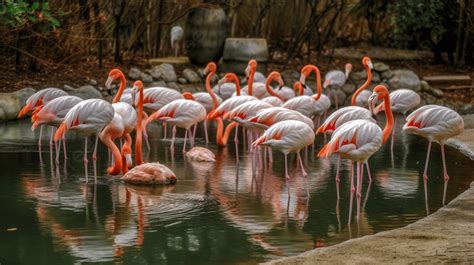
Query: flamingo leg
(301, 164)
(351, 200)
(85, 159)
(145, 136)
(236, 135)
(164, 130)
(40, 137)
(393, 134)
(359, 187)
(287, 176)
(205, 131)
(193, 135)
(338, 180)
(94, 154)
(425, 173)
(64, 148)
(58, 151)
(185, 136)
(172, 138)
(368, 171)
(270, 155)
(445, 172)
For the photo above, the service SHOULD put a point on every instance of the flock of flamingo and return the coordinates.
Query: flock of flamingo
(272, 118)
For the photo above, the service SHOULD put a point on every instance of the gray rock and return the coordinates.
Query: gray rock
(155, 72)
(439, 102)
(381, 67)
(68, 88)
(466, 108)
(146, 78)
(356, 77)
(24, 94)
(290, 76)
(93, 82)
(405, 79)
(425, 86)
(244, 49)
(375, 77)
(348, 88)
(9, 106)
(386, 75)
(173, 85)
(191, 76)
(157, 83)
(86, 92)
(437, 92)
(339, 94)
(182, 80)
(134, 73)
(167, 72)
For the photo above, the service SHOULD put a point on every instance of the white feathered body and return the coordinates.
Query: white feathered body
(182, 113)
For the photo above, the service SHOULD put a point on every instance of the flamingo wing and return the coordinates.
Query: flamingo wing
(39, 98)
(343, 115)
(54, 111)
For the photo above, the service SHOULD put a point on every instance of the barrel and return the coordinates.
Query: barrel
(206, 31)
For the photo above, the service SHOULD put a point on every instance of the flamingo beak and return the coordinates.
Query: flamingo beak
(205, 72)
(247, 72)
(326, 83)
(281, 83)
(372, 102)
(134, 95)
(371, 66)
(108, 83)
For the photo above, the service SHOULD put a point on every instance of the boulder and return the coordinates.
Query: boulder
(356, 77)
(86, 92)
(155, 72)
(386, 75)
(93, 82)
(167, 72)
(381, 67)
(23, 94)
(68, 88)
(425, 86)
(290, 76)
(9, 106)
(134, 73)
(157, 83)
(437, 92)
(146, 78)
(173, 85)
(376, 77)
(191, 76)
(182, 80)
(405, 79)
(348, 88)
(238, 51)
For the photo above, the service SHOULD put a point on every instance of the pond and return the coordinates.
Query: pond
(218, 213)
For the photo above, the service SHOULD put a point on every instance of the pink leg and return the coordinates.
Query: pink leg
(393, 134)
(287, 176)
(85, 159)
(338, 180)
(145, 136)
(194, 135)
(164, 130)
(236, 135)
(359, 185)
(425, 173)
(58, 151)
(205, 131)
(94, 156)
(270, 155)
(185, 136)
(445, 172)
(368, 171)
(301, 164)
(351, 200)
(40, 136)
(172, 138)
(64, 148)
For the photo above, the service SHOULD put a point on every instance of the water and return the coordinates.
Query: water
(216, 214)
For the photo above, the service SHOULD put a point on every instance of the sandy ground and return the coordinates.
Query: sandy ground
(446, 236)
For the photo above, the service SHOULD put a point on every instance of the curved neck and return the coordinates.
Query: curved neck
(319, 89)
(387, 131)
(235, 79)
(123, 82)
(138, 136)
(223, 135)
(270, 90)
(299, 90)
(215, 102)
(117, 166)
(250, 84)
(364, 85)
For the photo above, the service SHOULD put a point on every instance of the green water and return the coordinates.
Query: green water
(218, 213)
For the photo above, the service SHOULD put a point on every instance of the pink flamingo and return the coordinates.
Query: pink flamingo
(38, 99)
(360, 96)
(337, 78)
(436, 123)
(95, 116)
(287, 136)
(267, 117)
(274, 98)
(358, 140)
(253, 88)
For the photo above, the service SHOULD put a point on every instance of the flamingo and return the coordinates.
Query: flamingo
(145, 173)
(53, 113)
(288, 136)
(360, 96)
(176, 33)
(403, 100)
(435, 123)
(267, 117)
(38, 99)
(358, 140)
(253, 88)
(274, 97)
(337, 78)
(200, 154)
(95, 116)
(181, 113)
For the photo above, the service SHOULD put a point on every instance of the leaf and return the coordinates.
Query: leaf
(32, 18)
(54, 22)
(45, 5)
(35, 6)
(61, 13)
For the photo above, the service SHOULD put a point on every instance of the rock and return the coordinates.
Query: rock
(93, 82)
(290, 76)
(86, 92)
(167, 72)
(358, 76)
(150, 174)
(381, 67)
(9, 106)
(425, 86)
(68, 88)
(157, 83)
(440, 102)
(375, 77)
(146, 78)
(238, 51)
(200, 154)
(348, 88)
(155, 72)
(405, 79)
(466, 108)
(437, 92)
(134, 73)
(172, 85)
(386, 75)
(182, 80)
(191, 76)
(24, 94)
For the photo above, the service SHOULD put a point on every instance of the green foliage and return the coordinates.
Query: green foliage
(21, 14)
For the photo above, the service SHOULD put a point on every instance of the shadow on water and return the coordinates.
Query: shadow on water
(217, 213)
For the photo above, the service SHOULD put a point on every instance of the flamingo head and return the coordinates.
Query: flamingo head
(277, 77)
(137, 86)
(114, 74)
(326, 83)
(251, 67)
(380, 92)
(210, 68)
(299, 88)
(305, 72)
(366, 61)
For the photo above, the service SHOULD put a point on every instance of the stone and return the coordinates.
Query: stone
(238, 51)
(86, 92)
(93, 82)
(146, 78)
(155, 72)
(182, 80)
(439, 102)
(381, 67)
(466, 108)
(157, 84)
(348, 88)
(339, 94)
(376, 77)
(68, 88)
(290, 76)
(437, 92)
(9, 106)
(191, 76)
(173, 85)
(134, 73)
(425, 86)
(167, 72)
(356, 77)
(405, 79)
(23, 94)
(386, 75)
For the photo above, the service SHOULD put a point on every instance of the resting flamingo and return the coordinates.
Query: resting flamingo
(38, 99)
(337, 78)
(358, 140)
(145, 173)
(436, 123)
(288, 136)
(402, 100)
(52, 113)
(95, 116)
